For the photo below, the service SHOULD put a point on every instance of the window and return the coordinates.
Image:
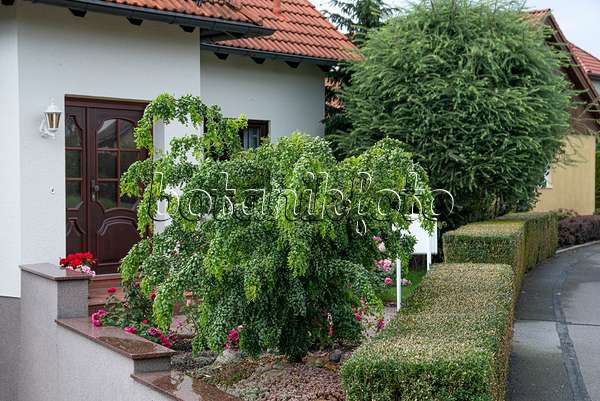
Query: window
(252, 137)
(547, 180)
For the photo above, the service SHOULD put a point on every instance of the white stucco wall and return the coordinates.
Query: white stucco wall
(292, 99)
(58, 55)
(9, 161)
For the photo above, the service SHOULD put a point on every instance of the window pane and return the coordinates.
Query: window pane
(107, 195)
(251, 138)
(107, 164)
(128, 202)
(72, 133)
(127, 159)
(126, 135)
(73, 193)
(73, 163)
(107, 134)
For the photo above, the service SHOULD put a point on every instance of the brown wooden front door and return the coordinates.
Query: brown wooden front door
(99, 147)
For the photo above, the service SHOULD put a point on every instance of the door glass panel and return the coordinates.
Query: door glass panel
(72, 133)
(107, 164)
(127, 159)
(107, 195)
(107, 134)
(128, 202)
(73, 194)
(73, 163)
(126, 139)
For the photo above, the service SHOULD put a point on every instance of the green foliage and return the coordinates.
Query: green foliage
(488, 242)
(257, 255)
(473, 91)
(357, 17)
(521, 240)
(540, 234)
(451, 342)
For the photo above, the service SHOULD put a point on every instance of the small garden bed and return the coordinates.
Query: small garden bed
(273, 377)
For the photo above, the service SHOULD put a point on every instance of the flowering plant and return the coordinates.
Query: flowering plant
(82, 262)
(128, 314)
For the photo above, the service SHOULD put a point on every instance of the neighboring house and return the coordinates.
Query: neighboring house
(571, 185)
(589, 63)
(101, 62)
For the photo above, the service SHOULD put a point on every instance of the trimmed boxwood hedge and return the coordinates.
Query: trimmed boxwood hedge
(488, 242)
(450, 343)
(541, 235)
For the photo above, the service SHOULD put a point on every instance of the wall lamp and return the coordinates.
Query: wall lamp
(50, 121)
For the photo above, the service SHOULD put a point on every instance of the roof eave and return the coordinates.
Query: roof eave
(268, 55)
(213, 24)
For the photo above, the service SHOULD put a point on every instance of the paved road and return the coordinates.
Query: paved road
(556, 344)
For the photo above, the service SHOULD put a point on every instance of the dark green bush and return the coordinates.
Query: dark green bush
(472, 89)
(451, 342)
(541, 235)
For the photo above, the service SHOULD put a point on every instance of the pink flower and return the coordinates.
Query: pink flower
(233, 336)
(381, 247)
(377, 238)
(388, 280)
(130, 329)
(144, 321)
(358, 316)
(227, 346)
(385, 264)
(152, 331)
(380, 324)
(165, 341)
(96, 323)
(101, 313)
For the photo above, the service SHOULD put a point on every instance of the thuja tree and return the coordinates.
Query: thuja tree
(277, 241)
(473, 91)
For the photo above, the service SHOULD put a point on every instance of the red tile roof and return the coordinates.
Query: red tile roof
(539, 13)
(230, 10)
(301, 30)
(589, 63)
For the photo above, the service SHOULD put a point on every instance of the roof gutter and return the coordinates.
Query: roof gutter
(169, 17)
(270, 55)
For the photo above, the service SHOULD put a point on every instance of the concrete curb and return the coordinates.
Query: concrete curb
(577, 247)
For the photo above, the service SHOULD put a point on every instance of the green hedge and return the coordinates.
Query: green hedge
(541, 235)
(488, 242)
(451, 342)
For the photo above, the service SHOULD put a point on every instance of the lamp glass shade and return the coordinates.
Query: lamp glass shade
(52, 117)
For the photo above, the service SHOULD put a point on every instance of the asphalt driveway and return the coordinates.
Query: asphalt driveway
(556, 344)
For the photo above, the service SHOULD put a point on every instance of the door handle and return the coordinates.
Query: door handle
(94, 189)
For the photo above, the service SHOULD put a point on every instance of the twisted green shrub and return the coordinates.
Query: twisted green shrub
(473, 91)
(451, 342)
(277, 266)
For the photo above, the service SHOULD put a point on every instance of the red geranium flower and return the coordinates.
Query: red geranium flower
(111, 290)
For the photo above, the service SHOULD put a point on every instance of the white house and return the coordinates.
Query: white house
(100, 61)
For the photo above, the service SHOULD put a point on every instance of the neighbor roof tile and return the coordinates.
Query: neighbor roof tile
(589, 63)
